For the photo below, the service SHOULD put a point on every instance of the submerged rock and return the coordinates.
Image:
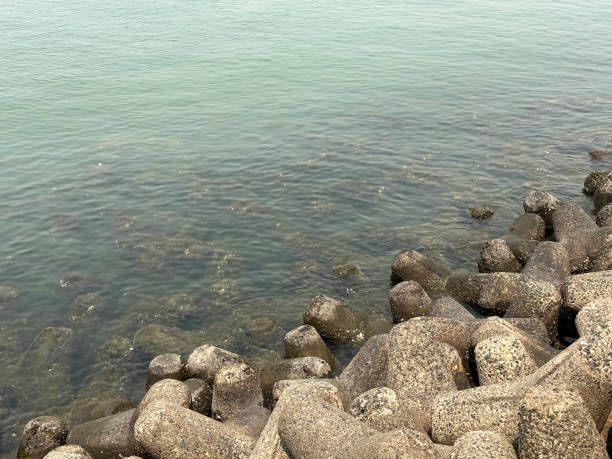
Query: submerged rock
(600, 154)
(78, 282)
(413, 266)
(157, 339)
(335, 321)
(260, 327)
(480, 212)
(7, 294)
(87, 307)
(348, 270)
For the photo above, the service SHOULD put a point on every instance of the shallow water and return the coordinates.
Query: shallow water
(237, 151)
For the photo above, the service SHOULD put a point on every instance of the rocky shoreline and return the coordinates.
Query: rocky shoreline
(441, 383)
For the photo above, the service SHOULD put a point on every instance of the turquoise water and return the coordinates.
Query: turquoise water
(236, 151)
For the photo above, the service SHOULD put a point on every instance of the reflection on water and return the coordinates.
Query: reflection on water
(202, 184)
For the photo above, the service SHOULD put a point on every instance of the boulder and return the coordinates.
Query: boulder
(235, 388)
(408, 300)
(604, 216)
(335, 321)
(574, 229)
(595, 180)
(595, 317)
(496, 256)
(480, 212)
(305, 341)
(412, 266)
(498, 291)
(555, 423)
(175, 432)
(165, 366)
(41, 435)
(165, 392)
(603, 195)
(527, 226)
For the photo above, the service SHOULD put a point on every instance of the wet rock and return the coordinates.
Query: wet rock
(7, 294)
(604, 216)
(416, 363)
(158, 339)
(335, 321)
(481, 444)
(502, 359)
(368, 369)
(105, 437)
(498, 291)
(165, 366)
(574, 229)
(299, 368)
(412, 266)
(110, 407)
(528, 226)
(235, 388)
(595, 317)
(269, 444)
(250, 421)
(201, 395)
(305, 341)
(46, 364)
(522, 249)
(541, 203)
(338, 434)
(599, 154)
(595, 180)
(175, 432)
(260, 326)
(78, 282)
(582, 289)
(448, 307)
(408, 300)
(206, 361)
(480, 212)
(87, 307)
(41, 435)
(69, 452)
(603, 195)
(581, 368)
(496, 256)
(375, 403)
(555, 423)
(347, 271)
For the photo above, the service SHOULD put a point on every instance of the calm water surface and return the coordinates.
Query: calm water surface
(235, 151)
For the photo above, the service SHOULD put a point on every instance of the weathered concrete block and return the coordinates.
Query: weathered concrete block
(165, 366)
(595, 180)
(168, 392)
(300, 368)
(449, 308)
(481, 444)
(201, 395)
(595, 317)
(305, 341)
(175, 432)
(368, 369)
(235, 388)
(335, 321)
(582, 289)
(269, 445)
(206, 361)
(250, 421)
(603, 216)
(496, 256)
(111, 436)
(555, 423)
(41, 435)
(502, 358)
(374, 404)
(528, 226)
(69, 452)
(574, 229)
(498, 291)
(408, 300)
(413, 266)
(541, 203)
